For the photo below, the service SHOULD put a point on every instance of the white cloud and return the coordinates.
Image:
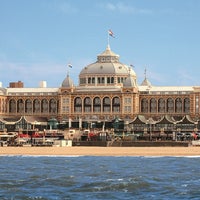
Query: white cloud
(67, 8)
(32, 74)
(125, 9)
(110, 6)
(184, 77)
(62, 7)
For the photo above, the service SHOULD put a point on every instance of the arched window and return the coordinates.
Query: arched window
(178, 105)
(44, 106)
(144, 105)
(36, 106)
(87, 104)
(97, 104)
(77, 104)
(20, 106)
(28, 106)
(153, 105)
(52, 106)
(161, 105)
(106, 104)
(170, 105)
(186, 106)
(12, 106)
(116, 104)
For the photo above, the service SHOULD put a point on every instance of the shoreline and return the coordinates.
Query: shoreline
(100, 151)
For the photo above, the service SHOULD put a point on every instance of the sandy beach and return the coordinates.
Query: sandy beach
(102, 151)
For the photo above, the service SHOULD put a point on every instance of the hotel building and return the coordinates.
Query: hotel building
(107, 92)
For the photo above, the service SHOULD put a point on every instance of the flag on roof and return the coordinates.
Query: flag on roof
(111, 33)
(69, 65)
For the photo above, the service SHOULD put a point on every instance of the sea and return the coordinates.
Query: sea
(91, 177)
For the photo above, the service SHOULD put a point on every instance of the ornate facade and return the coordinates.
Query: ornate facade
(107, 90)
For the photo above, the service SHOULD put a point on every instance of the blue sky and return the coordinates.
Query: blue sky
(38, 38)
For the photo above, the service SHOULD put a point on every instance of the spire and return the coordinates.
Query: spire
(108, 47)
(145, 73)
(145, 82)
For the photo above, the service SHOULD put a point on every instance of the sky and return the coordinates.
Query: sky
(38, 38)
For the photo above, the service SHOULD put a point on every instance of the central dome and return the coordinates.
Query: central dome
(106, 70)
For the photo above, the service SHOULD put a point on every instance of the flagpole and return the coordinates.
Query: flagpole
(67, 71)
(68, 66)
(108, 39)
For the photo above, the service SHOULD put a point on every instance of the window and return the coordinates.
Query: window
(65, 100)
(77, 104)
(110, 80)
(187, 105)
(127, 100)
(77, 109)
(100, 80)
(93, 80)
(127, 109)
(82, 80)
(65, 109)
(106, 104)
(144, 105)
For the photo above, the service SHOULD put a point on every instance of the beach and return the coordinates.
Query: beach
(101, 151)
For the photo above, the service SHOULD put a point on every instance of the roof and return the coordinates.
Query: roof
(29, 119)
(67, 82)
(106, 68)
(139, 119)
(146, 82)
(107, 64)
(187, 120)
(36, 120)
(166, 88)
(2, 91)
(130, 82)
(167, 119)
(108, 52)
(31, 90)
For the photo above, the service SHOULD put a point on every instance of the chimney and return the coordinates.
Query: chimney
(43, 84)
(18, 84)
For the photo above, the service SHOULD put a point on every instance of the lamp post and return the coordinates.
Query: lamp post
(150, 122)
(174, 133)
(126, 127)
(150, 133)
(116, 125)
(196, 126)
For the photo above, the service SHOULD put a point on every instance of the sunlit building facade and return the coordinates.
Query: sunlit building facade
(107, 90)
